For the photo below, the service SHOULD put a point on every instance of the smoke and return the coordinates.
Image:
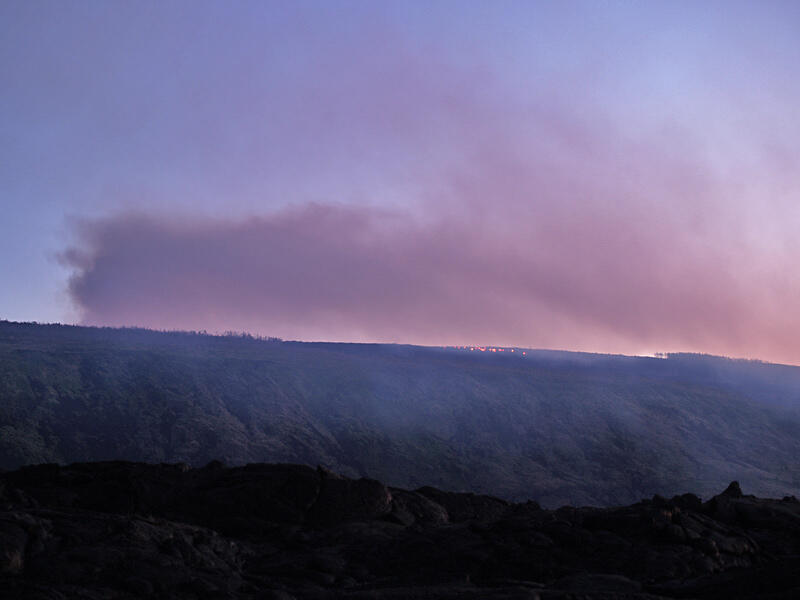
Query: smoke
(532, 220)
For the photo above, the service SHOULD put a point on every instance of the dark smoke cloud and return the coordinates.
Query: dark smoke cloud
(572, 278)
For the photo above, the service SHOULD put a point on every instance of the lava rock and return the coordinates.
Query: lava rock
(128, 530)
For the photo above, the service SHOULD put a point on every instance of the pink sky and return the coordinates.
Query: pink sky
(609, 178)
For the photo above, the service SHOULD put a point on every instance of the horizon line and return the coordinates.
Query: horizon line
(275, 339)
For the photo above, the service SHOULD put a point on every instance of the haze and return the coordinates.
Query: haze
(598, 176)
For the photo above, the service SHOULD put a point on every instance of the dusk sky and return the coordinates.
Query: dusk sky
(600, 176)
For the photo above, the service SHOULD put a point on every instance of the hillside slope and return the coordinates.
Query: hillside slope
(562, 428)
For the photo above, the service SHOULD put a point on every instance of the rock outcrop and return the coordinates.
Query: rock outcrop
(130, 530)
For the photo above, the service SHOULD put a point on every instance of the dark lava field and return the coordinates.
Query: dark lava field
(121, 530)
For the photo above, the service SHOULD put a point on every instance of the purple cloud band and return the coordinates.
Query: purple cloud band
(529, 218)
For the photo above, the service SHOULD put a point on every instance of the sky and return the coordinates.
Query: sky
(599, 176)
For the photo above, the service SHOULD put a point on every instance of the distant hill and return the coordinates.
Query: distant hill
(558, 427)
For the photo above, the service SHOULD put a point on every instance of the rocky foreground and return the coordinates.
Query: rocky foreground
(129, 530)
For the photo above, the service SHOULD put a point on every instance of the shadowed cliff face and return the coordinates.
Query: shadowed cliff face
(128, 530)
